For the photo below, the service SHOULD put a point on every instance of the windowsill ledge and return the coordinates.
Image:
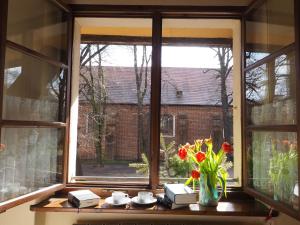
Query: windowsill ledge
(237, 208)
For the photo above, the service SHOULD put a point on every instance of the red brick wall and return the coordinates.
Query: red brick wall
(200, 122)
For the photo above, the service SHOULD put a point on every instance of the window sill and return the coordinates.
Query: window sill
(236, 208)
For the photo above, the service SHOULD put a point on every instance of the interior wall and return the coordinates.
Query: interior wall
(19, 215)
(284, 219)
(71, 218)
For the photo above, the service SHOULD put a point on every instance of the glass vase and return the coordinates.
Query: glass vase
(208, 195)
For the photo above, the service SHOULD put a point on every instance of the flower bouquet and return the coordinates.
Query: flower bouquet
(209, 168)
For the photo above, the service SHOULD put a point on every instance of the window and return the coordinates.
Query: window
(33, 103)
(197, 88)
(271, 117)
(115, 89)
(114, 97)
(167, 125)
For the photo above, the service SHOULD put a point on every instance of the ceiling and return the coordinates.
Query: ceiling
(164, 2)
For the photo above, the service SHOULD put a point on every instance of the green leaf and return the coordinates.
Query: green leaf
(188, 181)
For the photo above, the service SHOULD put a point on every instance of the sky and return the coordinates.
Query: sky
(172, 56)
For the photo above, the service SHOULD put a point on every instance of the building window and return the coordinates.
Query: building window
(167, 125)
(89, 123)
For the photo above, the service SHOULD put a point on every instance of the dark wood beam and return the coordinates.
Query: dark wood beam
(82, 10)
(155, 100)
(35, 54)
(3, 25)
(121, 40)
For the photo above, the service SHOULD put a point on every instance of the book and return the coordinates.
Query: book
(83, 198)
(180, 194)
(165, 201)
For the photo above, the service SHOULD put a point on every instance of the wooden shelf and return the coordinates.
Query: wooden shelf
(238, 208)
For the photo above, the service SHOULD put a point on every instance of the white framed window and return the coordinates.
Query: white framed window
(167, 125)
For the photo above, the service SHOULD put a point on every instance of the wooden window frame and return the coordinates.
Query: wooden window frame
(4, 43)
(294, 47)
(157, 41)
(156, 13)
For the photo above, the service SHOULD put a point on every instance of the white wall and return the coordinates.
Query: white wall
(71, 218)
(284, 219)
(19, 215)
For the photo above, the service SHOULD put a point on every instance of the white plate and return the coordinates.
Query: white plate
(110, 201)
(150, 201)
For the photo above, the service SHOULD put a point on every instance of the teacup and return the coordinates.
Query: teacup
(118, 196)
(145, 196)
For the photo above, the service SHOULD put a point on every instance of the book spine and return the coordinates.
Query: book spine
(74, 201)
(170, 194)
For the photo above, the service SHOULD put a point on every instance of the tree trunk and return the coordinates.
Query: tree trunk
(140, 131)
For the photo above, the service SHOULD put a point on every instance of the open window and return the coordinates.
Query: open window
(271, 100)
(33, 103)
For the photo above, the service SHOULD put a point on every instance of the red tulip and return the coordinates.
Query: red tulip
(182, 153)
(195, 174)
(200, 156)
(227, 147)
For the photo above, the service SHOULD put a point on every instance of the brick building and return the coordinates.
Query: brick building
(191, 109)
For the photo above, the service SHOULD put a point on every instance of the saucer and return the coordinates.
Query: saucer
(148, 202)
(110, 201)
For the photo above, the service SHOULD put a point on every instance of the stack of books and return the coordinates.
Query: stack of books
(177, 196)
(83, 198)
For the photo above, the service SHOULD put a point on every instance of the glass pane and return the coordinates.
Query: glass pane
(39, 25)
(269, 28)
(114, 122)
(33, 90)
(271, 92)
(31, 159)
(273, 167)
(191, 104)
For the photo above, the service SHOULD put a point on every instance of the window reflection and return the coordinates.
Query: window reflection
(38, 25)
(33, 90)
(269, 27)
(31, 159)
(273, 168)
(270, 92)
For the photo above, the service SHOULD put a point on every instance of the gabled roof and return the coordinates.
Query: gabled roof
(180, 86)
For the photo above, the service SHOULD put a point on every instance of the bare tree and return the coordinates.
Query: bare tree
(93, 89)
(141, 79)
(224, 55)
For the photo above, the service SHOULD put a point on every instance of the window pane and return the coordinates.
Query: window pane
(271, 92)
(33, 90)
(32, 159)
(273, 167)
(39, 25)
(167, 125)
(114, 89)
(192, 84)
(269, 28)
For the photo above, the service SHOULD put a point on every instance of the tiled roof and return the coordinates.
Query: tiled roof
(180, 86)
